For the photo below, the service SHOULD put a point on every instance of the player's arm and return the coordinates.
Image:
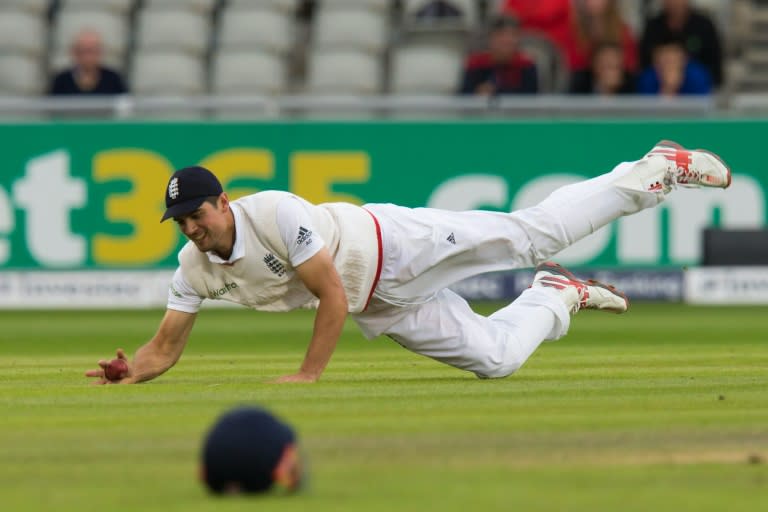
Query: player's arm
(156, 356)
(321, 278)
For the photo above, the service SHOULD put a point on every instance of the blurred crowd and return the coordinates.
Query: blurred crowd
(678, 51)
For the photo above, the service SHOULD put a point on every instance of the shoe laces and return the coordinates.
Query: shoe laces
(582, 291)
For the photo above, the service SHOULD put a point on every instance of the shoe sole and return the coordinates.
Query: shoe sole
(675, 145)
(556, 268)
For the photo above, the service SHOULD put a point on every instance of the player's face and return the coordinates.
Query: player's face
(207, 226)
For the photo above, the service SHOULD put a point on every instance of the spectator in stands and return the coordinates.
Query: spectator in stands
(438, 10)
(673, 73)
(550, 18)
(577, 27)
(502, 69)
(699, 34)
(87, 75)
(596, 22)
(607, 76)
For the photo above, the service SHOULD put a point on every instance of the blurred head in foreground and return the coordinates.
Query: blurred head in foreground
(248, 451)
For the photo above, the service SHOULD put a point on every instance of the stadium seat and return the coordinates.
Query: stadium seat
(22, 32)
(173, 30)
(200, 6)
(261, 29)
(340, 72)
(20, 75)
(339, 28)
(167, 73)
(425, 69)
(113, 28)
(247, 73)
(120, 6)
(550, 67)
(466, 21)
(34, 6)
(378, 5)
(286, 6)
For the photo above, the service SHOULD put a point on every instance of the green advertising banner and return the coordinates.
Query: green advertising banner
(90, 195)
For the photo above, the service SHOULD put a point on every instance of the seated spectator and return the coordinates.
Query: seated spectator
(502, 69)
(596, 22)
(699, 35)
(550, 18)
(673, 73)
(87, 76)
(607, 75)
(438, 10)
(577, 27)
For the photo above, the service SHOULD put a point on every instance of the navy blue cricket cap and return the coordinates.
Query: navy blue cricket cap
(243, 449)
(187, 189)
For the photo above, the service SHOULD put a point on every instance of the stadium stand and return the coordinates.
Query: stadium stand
(382, 6)
(286, 6)
(422, 69)
(22, 32)
(20, 75)
(256, 28)
(118, 6)
(167, 73)
(247, 73)
(343, 27)
(201, 6)
(175, 30)
(33, 6)
(415, 17)
(349, 71)
(301, 42)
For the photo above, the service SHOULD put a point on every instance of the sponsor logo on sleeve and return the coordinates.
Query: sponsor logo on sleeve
(305, 236)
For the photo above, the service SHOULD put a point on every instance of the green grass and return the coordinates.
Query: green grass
(660, 409)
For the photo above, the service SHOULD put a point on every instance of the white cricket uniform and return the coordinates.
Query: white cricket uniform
(425, 250)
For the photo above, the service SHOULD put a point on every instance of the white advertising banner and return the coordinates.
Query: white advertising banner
(726, 285)
(86, 289)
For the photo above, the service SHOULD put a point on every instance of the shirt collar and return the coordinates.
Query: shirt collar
(238, 250)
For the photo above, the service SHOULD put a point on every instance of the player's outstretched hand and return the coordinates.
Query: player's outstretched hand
(116, 371)
(295, 378)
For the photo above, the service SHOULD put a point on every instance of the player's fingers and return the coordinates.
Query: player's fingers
(121, 354)
(99, 382)
(95, 373)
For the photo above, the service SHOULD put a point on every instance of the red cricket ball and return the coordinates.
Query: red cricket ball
(116, 369)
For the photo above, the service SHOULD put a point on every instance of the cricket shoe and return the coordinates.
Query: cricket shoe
(689, 168)
(577, 293)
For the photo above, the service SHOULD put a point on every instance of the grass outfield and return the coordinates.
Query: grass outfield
(665, 408)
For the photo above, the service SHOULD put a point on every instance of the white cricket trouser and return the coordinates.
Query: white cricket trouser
(426, 250)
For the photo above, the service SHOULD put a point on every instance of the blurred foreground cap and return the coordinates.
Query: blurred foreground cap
(248, 450)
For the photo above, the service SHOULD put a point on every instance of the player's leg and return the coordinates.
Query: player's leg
(432, 249)
(575, 211)
(447, 330)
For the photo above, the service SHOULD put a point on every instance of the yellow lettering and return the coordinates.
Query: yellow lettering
(314, 174)
(142, 207)
(232, 164)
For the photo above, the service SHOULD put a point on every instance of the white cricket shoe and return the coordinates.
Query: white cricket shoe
(577, 293)
(690, 168)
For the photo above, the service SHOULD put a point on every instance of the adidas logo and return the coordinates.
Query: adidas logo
(274, 265)
(305, 235)
(451, 239)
